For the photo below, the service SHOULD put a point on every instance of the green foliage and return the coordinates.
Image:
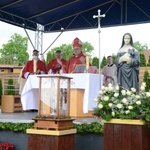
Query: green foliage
(98, 112)
(16, 127)
(87, 48)
(95, 62)
(114, 57)
(67, 51)
(146, 79)
(104, 62)
(0, 91)
(142, 60)
(147, 118)
(122, 103)
(94, 127)
(140, 46)
(15, 51)
(10, 87)
(52, 117)
(50, 56)
(148, 64)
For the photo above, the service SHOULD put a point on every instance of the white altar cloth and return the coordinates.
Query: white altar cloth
(87, 81)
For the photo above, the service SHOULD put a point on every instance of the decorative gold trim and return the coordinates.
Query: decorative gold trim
(50, 132)
(125, 121)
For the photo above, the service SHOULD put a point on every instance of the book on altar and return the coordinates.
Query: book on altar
(80, 68)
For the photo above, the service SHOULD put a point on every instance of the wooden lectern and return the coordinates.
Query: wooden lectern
(76, 104)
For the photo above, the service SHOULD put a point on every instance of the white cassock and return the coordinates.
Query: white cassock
(110, 71)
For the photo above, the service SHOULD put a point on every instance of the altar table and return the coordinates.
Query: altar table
(84, 86)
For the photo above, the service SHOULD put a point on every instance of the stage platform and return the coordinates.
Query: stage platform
(26, 117)
(82, 142)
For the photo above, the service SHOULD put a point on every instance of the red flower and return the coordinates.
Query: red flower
(6, 146)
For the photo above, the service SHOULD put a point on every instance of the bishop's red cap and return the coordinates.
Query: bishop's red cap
(77, 43)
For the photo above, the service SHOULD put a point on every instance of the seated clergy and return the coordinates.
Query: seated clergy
(57, 65)
(34, 66)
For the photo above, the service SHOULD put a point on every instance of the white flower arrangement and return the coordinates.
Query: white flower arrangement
(124, 104)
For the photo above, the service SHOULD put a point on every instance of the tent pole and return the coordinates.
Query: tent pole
(62, 29)
(29, 38)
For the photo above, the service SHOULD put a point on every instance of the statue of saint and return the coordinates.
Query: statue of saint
(128, 62)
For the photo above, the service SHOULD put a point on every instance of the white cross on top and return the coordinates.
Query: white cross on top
(99, 16)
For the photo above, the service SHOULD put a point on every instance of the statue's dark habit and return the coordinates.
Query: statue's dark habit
(128, 62)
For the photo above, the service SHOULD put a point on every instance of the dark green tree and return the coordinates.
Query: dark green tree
(140, 46)
(87, 48)
(67, 50)
(15, 51)
(104, 62)
(146, 79)
(95, 62)
(148, 64)
(142, 60)
(114, 57)
(10, 87)
(1, 91)
(50, 56)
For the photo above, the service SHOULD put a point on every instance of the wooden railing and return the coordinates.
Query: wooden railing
(5, 77)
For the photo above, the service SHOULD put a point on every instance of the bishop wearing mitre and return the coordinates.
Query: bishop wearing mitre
(77, 58)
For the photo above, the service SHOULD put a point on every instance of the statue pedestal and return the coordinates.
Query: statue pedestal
(50, 140)
(126, 134)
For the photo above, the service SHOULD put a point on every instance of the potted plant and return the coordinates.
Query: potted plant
(125, 115)
(10, 87)
(8, 99)
(146, 79)
(130, 105)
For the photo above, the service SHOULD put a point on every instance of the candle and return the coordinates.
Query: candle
(87, 63)
(34, 66)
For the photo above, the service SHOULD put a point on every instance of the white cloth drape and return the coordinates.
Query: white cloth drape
(88, 82)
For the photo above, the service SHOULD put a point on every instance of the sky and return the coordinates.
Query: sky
(110, 37)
